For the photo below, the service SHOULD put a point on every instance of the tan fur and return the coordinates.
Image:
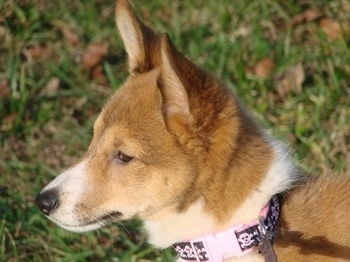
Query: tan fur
(191, 116)
(200, 163)
(315, 220)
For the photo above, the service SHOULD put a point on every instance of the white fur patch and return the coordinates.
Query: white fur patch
(68, 178)
(70, 185)
(280, 177)
(167, 229)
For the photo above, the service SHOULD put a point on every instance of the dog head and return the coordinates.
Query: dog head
(152, 139)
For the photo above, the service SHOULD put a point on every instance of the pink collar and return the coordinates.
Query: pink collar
(236, 241)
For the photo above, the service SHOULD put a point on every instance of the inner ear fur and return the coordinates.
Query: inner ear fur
(176, 103)
(174, 92)
(142, 44)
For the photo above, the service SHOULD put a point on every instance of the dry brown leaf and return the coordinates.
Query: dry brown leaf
(70, 36)
(34, 51)
(307, 16)
(4, 89)
(312, 14)
(51, 86)
(37, 52)
(8, 122)
(263, 69)
(97, 72)
(291, 80)
(331, 28)
(94, 55)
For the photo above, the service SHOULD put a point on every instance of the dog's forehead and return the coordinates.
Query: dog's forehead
(134, 111)
(136, 100)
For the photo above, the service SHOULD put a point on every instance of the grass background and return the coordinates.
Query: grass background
(49, 96)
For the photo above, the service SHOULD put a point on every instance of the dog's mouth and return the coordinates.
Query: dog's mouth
(85, 225)
(105, 219)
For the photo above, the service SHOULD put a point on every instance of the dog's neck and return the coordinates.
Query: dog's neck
(169, 227)
(236, 241)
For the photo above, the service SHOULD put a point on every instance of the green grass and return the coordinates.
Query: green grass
(43, 130)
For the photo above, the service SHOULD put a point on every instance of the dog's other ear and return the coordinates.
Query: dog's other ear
(141, 43)
(176, 103)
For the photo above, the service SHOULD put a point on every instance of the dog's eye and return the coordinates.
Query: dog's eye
(123, 158)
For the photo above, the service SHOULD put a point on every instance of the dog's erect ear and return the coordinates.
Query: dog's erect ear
(188, 100)
(174, 92)
(176, 108)
(141, 43)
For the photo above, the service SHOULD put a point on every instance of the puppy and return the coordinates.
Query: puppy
(174, 148)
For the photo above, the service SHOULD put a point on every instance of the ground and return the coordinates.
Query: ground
(288, 61)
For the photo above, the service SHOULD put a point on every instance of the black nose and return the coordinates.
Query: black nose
(47, 201)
